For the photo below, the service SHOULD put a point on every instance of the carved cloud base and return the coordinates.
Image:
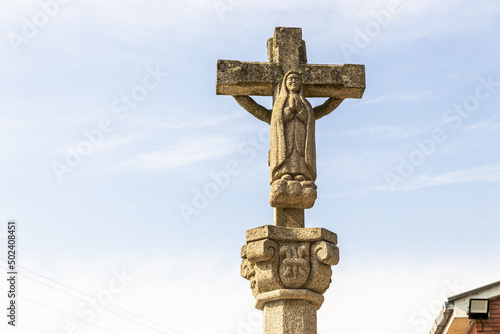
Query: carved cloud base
(292, 194)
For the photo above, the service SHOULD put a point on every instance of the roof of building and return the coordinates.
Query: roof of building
(454, 314)
(474, 291)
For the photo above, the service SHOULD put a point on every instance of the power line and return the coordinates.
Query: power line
(88, 295)
(68, 315)
(91, 302)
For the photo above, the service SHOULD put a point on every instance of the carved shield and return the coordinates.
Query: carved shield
(294, 264)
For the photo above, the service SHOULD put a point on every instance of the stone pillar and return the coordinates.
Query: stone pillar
(288, 265)
(289, 269)
(290, 316)
(289, 217)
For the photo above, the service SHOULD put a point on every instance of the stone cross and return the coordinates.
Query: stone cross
(292, 175)
(288, 265)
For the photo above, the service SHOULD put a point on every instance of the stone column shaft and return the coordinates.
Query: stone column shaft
(289, 217)
(290, 317)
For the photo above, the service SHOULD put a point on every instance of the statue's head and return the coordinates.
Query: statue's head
(293, 82)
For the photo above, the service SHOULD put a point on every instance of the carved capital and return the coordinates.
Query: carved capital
(289, 263)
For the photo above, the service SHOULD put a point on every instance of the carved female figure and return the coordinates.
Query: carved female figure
(293, 151)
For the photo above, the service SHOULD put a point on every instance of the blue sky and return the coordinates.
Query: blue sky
(110, 128)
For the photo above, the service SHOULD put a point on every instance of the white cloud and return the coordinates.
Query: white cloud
(437, 19)
(489, 173)
(357, 165)
(382, 132)
(491, 124)
(101, 145)
(114, 142)
(201, 121)
(185, 152)
(397, 98)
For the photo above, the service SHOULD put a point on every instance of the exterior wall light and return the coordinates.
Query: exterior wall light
(478, 308)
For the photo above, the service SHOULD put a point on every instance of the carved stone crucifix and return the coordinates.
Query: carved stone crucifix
(290, 79)
(288, 265)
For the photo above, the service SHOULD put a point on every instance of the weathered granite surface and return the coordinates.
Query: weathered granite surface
(277, 258)
(289, 269)
(287, 52)
(290, 316)
(289, 79)
(288, 265)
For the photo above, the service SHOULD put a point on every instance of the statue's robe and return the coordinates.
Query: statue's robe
(293, 148)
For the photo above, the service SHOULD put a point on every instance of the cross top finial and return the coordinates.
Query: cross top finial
(287, 49)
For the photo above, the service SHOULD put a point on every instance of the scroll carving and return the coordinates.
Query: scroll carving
(271, 265)
(323, 255)
(260, 266)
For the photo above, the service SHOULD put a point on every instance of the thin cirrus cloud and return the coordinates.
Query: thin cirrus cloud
(382, 132)
(493, 123)
(397, 98)
(488, 174)
(185, 152)
(202, 121)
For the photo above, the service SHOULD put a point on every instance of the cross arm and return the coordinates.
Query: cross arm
(258, 78)
(337, 81)
(246, 78)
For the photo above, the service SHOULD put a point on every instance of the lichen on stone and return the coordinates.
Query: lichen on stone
(234, 69)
